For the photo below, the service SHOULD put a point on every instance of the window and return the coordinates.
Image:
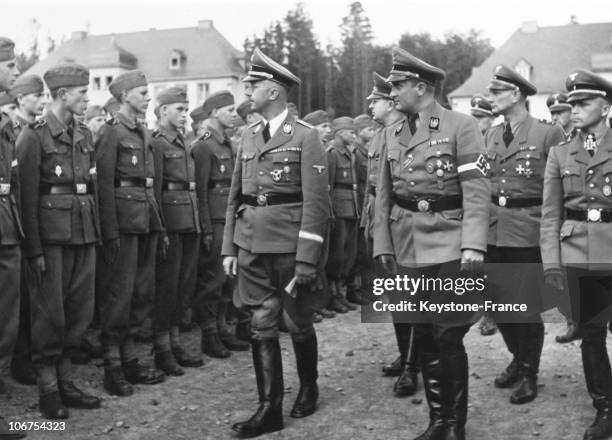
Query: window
(176, 60)
(203, 90)
(175, 63)
(109, 79)
(524, 69)
(97, 83)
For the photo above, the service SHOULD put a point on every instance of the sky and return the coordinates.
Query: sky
(237, 19)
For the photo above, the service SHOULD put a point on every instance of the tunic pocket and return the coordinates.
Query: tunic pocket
(572, 180)
(55, 218)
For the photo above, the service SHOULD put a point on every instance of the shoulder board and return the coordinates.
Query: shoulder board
(112, 121)
(563, 143)
(205, 136)
(329, 148)
(39, 123)
(254, 123)
(156, 133)
(304, 123)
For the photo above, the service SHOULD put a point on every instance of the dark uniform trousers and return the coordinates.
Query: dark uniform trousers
(58, 193)
(214, 161)
(129, 212)
(10, 252)
(176, 275)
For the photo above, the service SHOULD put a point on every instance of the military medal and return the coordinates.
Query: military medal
(520, 170)
(607, 179)
(429, 167)
(287, 129)
(276, 175)
(448, 166)
(58, 170)
(434, 123)
(222, 168)
(607, 190)
(440, 172)
(528, 172)
(408, 160)
(532, 147)
(590, 144)
(286, 169)
(134, 160)
(344, 174)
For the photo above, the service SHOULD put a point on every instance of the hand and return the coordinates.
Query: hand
(110, 250)
(472, 261)
(230, 266)
(387, 261)
(555, 279)
(162, 248)
(305, 273)
(37, 265)
(207, 240)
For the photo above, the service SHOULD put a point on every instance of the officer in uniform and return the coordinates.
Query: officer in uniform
(29, 96)
(275, 225)
(214, 163)
(175, 275)
(575, 232)
(61, 225)
(131, 227)
(11, 232)
(561, 114)
(343, 182)
(383, 109)
(432, 208)
(517, 151)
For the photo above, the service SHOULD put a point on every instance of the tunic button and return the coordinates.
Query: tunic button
(412, 183)
(260, 188)
(410, 170)
(503, 170)
(501, 191)
(591, 185)
(503, 181)
(261, 173)
(592, 198)
(590, 171)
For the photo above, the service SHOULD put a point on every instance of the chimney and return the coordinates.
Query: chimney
(79, 35)
(205, 24)
(573, 19)
(529, 27)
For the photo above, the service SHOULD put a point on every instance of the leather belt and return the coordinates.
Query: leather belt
(5, 189)
(134, 182)
(178, 186)
(270, 199)
(429, 205)
(508, 202)
(590, 215)
(345, 186)
(372, 191)
(219, 183)
(77, 188)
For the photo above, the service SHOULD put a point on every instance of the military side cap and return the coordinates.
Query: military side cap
(66, 75)
(217, 100)
(26, 85)
(381, 89)
(584, 84)
(244, 109)
(264, 67)
(342, 123)
(5, 99)
(317, 117)
(93, 111)
(480, 106)
(7, 49)
(362, 121)
(407, 66)
(172, 95)
(505, 78)
(127, 81)
(197, 114)
(111, 105)
(557, 102)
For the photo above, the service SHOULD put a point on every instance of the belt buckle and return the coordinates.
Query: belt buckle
(81, 188)
(502, 200)
(5, 189)
(423, 205)
(149, 182)
(594, 215)
(192, 186)
(262, 200)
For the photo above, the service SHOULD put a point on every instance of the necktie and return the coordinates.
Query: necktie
(266, 132)
(507, 136)
(590, 144)
(412, 123)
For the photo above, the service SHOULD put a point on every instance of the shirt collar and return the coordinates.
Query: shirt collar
(126, 120)
(276, 121)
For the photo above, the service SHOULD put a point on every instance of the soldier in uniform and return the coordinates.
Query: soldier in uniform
(319, 119)
(131, 223)
(561, 114)
(275, 225)
(480, 108)
(214, 166)
(432, 208)
(29, 96)
(575, 233)
(343, 170)
(11, 232)
(95, 116)
(175, 275)
(111, 107)
(198, 127)
(61, 225)
(248, 114)
(383, 109)
(517, 151)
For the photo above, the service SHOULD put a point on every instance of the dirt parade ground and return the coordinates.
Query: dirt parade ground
(356, 401)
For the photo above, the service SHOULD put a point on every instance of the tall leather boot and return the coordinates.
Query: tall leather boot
(268, 366)
(342, 289)
(334, 302)
(531, 341)
(402, 336)
(454, 394)
(406, 385)
(306, 359)
(510, 376)
(432, 372)
(354, 292)
(598, 376)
